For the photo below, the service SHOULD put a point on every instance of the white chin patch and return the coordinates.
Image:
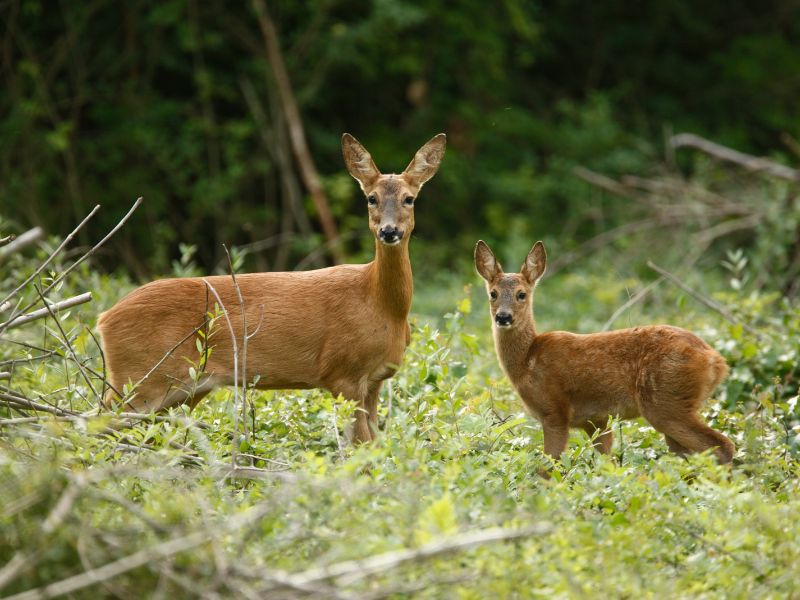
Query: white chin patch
(504, 326)
(392, 243)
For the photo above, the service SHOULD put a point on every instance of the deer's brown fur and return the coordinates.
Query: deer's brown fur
(659, 372)
(342, 328)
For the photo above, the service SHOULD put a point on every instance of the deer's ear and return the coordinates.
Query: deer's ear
(426, 161)
(535, 263)
(485, 262)
(359, 162)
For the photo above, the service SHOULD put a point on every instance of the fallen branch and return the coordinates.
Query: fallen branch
(19, 242)
(752, 163)
(153, 554)
(358, 569)
(703, 299)
(44, 312)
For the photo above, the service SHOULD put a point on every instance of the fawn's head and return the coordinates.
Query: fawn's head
(390, 198)
(510, 294)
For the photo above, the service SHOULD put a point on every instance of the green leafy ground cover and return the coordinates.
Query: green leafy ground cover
(153, 509)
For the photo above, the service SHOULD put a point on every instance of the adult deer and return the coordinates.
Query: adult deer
(568, 380)
(342, 328)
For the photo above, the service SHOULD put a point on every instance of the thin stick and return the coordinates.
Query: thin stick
(5, 375)
(235, 346)
(748, 161)
(49, 259)
(244, 345)
(7, 240)
(631, 301)
(67, 343)
(169, 353)
(49, 310)
(94, 248)
(703, 299)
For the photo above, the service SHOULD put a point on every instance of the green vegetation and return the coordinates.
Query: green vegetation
(559, 119)
(124, 507)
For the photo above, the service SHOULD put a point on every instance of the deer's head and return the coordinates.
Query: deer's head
(390, 198)
(510, 294)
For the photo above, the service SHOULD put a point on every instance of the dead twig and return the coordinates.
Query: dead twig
(47, 261)
(748, 161)
(353, 570)
(703, 299)
(7, 240)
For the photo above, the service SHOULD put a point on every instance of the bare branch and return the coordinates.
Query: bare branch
(703, 299)
(21, 241)
(49, 310)
(748, 161)
(358, 569)
(294, 122)
(49, 259)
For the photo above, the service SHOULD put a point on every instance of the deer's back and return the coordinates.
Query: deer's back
(611, 373)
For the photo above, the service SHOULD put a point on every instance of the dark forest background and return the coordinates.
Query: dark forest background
(102, 101)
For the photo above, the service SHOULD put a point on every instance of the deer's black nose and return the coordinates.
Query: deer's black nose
(390, 234)
(503, 319)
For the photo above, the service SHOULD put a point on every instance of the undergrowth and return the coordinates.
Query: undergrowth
(100, 506)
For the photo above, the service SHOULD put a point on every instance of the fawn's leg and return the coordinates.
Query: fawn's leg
(371, 406)
(556, 433)
(358, 392)
(602, 443)
(675, 446)
(693, 435)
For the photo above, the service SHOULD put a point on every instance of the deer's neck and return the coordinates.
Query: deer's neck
(513, 347)
(391, 279)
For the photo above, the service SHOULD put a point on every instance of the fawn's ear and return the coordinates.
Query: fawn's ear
(535, 263)
(485, 262)
(359, 162)
(426, 161)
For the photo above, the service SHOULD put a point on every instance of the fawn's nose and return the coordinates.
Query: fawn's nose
(503, 319)
(389, 234)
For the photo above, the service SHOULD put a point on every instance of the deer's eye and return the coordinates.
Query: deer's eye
(521, 296)
(372, 200)
(493, 295)
(408, 201)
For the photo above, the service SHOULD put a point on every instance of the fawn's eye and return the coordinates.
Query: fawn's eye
(409, 201)
(372, 200)
(493, 295)
(521, 296)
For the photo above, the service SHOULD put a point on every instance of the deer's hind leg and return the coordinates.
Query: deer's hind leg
(685, 432)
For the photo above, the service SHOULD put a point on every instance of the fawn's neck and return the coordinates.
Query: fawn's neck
(513, 346)
(391, 279)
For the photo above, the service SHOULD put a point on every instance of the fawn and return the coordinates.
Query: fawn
(342, 328)
(660, 372)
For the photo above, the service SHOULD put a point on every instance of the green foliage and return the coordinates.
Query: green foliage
(455, 454)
